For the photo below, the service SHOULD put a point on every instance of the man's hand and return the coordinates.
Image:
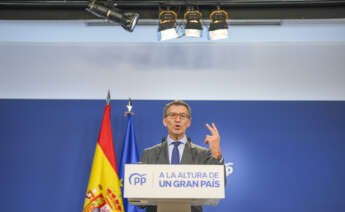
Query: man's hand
(214, 141)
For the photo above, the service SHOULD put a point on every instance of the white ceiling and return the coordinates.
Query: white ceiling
(298, 60)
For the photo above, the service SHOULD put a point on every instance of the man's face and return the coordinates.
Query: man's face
(177, 121)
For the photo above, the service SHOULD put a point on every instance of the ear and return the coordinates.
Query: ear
(189, 122)
(164, 122)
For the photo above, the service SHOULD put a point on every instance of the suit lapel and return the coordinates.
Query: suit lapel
(163, 157)
(187, 157)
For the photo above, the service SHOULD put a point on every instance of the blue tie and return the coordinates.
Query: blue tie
(175, 157)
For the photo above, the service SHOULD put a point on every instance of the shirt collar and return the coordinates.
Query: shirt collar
(183, 140)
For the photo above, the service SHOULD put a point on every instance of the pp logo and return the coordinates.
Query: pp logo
(228, 168)
(137, 178)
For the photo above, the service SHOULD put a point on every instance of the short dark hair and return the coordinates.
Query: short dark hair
(176, 102)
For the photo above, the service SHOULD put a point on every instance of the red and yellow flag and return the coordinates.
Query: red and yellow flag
(103, 192)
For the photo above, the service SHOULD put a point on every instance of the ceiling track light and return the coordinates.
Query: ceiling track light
(167, 25)
(193, 25)
(127, 20)
(218, 24)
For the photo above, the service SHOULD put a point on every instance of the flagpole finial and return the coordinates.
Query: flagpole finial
(129, 108)
(108, 97)
(129, 105)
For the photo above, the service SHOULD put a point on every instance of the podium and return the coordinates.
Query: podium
(174, 187)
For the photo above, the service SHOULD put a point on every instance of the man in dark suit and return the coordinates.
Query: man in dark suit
(177, 148)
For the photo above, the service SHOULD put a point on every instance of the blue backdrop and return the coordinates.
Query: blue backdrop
(287, 155)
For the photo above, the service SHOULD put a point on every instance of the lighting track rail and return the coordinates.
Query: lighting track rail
(148, 9)
(150, 3)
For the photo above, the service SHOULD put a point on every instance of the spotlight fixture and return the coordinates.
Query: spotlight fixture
(193, 22)
(167, 24)
(115, 15)
(218, 26)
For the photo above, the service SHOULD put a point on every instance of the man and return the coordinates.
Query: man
(177, 148)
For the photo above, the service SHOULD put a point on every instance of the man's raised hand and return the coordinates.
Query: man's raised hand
(213, 141)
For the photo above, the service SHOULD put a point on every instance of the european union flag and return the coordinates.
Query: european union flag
(129, 155)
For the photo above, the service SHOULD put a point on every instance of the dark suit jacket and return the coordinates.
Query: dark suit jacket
(192, 154)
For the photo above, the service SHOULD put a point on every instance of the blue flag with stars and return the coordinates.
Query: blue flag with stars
(129, 155)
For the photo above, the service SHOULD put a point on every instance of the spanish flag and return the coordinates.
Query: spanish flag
(103, 192)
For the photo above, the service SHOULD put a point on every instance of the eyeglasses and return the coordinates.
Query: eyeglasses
(181, 115)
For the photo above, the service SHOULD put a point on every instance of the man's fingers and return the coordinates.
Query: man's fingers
(215, 128)
(210, 129)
